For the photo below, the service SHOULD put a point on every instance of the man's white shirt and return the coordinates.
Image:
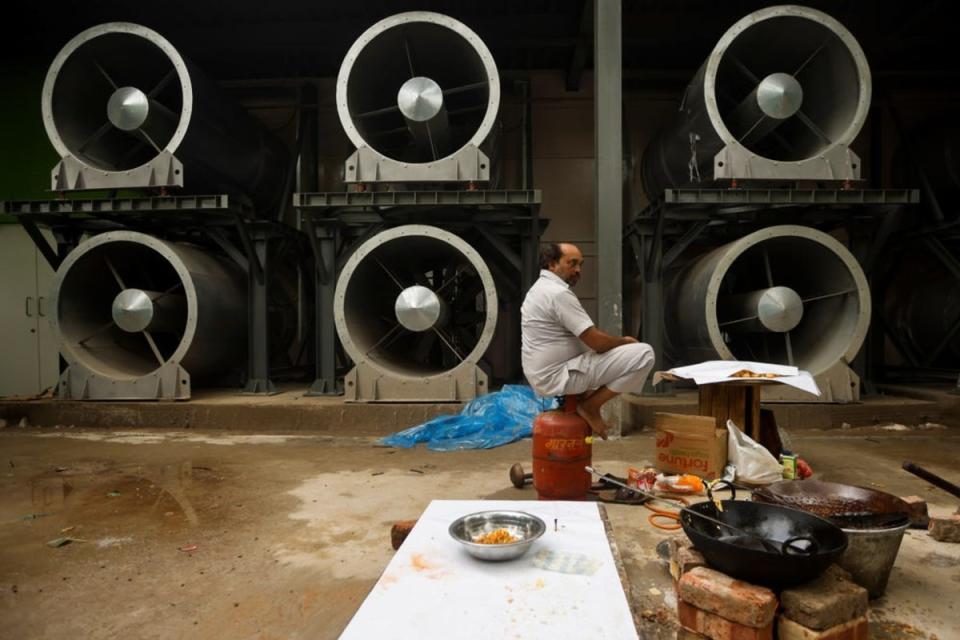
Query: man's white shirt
(551, 321)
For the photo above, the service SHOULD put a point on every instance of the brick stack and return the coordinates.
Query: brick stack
(919, 516)
(714, 605)
(832, 607)
(946, 529)
(683, 558)
(399, 532)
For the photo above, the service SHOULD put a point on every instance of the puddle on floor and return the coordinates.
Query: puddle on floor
(95, 491)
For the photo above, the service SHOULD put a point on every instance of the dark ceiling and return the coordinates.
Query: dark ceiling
(908, 43)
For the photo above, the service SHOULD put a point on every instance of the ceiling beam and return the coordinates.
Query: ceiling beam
(578, 57)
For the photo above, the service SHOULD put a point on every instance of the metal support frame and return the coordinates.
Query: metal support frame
(257, 242)
(608, 186)
(659, 234)
(933, 232)
(920, 361)
(337, 222)
(323, 237)
(221, 221)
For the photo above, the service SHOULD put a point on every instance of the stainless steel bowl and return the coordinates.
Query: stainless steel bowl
(520, 524)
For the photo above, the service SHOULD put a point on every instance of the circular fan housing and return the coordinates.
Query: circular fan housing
(417, 87)
(786, 294)
(125, 304)
(415, 301)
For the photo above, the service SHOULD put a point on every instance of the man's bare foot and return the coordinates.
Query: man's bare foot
(594, 419)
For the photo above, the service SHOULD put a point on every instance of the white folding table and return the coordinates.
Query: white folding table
(433, 589)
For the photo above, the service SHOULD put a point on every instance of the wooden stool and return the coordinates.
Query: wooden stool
(740, 402)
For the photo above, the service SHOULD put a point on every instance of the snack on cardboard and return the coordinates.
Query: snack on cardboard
(746, 373)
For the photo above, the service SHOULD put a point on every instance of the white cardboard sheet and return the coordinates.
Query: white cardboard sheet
(433, 589)
(714, 371)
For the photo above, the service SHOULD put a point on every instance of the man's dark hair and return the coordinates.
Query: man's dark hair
(550, 253)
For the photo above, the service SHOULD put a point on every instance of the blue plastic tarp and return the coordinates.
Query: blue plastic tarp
(489, 421)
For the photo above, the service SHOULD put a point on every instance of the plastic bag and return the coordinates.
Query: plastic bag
(489, 421)
(754, 464)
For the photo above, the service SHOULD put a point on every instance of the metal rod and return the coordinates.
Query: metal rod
(153, 144)
(392, 277)
(96, 135)
(766, 266)
(449, 345)
(116, 276)
(817, 131)
(378, 112)
(105, 74)
(466, 87)
(406, 49)
(163, 83)
(743, 69)
(383, 338)
(931, 356)
(814, 54)
(829, 295)
(97, 332)
(932, 478)
(153, 347)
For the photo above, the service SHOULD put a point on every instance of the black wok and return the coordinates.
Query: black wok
(746, 558)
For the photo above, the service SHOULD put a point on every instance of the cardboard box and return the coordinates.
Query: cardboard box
(690, 444)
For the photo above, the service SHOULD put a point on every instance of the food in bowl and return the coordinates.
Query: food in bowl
(497, 536)
(525, 527)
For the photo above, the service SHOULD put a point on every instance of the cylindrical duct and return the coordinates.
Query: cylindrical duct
(926, 316)
(126, 303)
(416, 88)
(786, 294)
(782, 95)
(415, 301)
(119, 100)
(934, 151)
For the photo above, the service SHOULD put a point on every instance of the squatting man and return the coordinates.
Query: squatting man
(563, 352)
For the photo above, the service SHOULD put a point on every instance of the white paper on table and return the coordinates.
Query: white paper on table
(433, 589)
(714, 371)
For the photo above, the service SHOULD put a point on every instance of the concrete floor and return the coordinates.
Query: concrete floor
(291, 410)
(291, 531)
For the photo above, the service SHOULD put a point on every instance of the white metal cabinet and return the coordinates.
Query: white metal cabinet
(28, 352)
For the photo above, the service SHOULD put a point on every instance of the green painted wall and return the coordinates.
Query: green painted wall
(26, 155)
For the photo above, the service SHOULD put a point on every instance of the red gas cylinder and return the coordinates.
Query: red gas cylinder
(561, 449)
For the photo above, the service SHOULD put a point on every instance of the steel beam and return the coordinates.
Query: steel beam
(578, 57)
(258, 318)
(608, 187)
(323, 241)
(326, 200)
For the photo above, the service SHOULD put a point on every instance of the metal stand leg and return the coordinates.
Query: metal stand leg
(653, 329)
(530, 252)
(258, 329)
(323, 241)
